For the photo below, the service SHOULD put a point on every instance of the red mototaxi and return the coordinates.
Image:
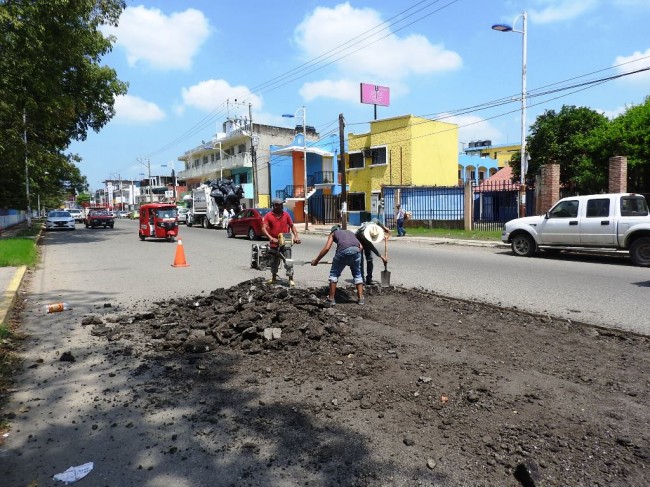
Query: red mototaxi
(158, 220)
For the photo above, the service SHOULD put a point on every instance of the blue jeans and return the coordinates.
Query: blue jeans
(400, 227)
(340, 262)
(367, 253)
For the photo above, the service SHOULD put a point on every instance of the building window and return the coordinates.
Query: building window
(205, 159)
(472, 175)
(243, 178)
(357, 201)
(241, 148)
(355, 160)
(378, 156)
(481, 175)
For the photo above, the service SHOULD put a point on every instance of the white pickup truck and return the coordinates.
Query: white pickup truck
(593, 222)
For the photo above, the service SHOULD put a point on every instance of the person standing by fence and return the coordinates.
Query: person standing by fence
(399, 217)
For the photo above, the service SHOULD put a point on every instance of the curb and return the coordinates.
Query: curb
(10, 293)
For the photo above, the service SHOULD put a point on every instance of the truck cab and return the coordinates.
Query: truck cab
(617, 221)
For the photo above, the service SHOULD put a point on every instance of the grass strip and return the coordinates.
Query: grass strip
(19, 251)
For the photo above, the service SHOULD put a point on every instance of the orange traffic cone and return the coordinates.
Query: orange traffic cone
(179, 260)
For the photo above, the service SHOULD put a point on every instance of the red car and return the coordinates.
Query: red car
(247, 222)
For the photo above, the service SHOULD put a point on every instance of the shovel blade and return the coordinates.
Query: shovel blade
(385, 277)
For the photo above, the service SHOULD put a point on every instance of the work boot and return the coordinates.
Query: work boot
(291, 282)
(273, 280)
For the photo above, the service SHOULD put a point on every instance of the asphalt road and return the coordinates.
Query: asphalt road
(90, 267)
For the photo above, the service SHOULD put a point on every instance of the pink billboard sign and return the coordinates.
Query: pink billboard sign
(375, 95)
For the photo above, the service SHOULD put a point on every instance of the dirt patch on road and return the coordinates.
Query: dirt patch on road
(409, 389)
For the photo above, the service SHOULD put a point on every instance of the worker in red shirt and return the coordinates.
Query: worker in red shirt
(274, 223)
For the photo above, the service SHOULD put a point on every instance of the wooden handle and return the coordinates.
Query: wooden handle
(385, 248)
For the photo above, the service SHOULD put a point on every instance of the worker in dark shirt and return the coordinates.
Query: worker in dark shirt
(348, 253)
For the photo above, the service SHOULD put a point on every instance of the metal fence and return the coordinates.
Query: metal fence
(430, 206)
(324, 208)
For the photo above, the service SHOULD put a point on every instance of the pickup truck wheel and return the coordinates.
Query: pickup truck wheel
(640, 252)
(230, 232)
(251, 234)
(523, 245)
(111, 226)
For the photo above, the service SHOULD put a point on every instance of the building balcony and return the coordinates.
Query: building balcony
(214, 169)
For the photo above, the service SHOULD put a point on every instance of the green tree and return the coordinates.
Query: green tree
(629, 136)
(53, 89)
(574, 138)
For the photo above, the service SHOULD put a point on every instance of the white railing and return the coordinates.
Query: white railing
(214, 168)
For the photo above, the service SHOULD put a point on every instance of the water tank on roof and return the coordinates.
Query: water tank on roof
(472, 144)
(487, 143)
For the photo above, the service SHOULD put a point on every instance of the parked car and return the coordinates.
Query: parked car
(617, 221)
(183, 215)
(247, 222)
(99, 218)
(77, 214)
(123, 214)
(59, 220)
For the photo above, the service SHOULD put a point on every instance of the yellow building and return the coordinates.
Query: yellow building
(400, 151)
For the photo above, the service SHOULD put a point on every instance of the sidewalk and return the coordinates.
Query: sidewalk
(325, 230)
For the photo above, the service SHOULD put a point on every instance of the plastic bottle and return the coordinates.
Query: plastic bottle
(56, 307)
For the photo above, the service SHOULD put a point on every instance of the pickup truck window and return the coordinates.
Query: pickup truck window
(598, 208)
(565, 209)
(633, 206)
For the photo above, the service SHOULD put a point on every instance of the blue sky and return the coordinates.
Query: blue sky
(192, 63)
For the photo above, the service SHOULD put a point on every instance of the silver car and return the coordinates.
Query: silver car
(59, 219)
(76, 214)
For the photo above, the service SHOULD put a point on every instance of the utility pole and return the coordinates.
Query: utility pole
(253, 156)
(29, 205)
(344, 184)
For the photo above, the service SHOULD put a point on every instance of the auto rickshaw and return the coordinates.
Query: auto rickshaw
(158, 220)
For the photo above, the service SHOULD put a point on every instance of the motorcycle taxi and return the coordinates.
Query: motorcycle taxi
(158, 220)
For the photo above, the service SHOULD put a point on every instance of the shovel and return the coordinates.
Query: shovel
(385, 274)
(305, 262)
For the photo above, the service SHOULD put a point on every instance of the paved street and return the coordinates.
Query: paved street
(92, 267)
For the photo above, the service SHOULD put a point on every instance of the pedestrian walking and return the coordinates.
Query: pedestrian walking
(399, 216)
(274, 223)
(348, 254)
(368, 234)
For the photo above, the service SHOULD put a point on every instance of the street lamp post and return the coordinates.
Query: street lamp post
(524, 33)
(304, 155)
(214, 144)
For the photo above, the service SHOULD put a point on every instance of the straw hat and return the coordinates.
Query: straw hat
(373, 233)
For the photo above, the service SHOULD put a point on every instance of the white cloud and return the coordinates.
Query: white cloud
(612, 114)
(472, 127)
(339, 90)
(132, 109)
(379, 56)
(212, 95)
(163, 41)
(560, 10)
(638, 60)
